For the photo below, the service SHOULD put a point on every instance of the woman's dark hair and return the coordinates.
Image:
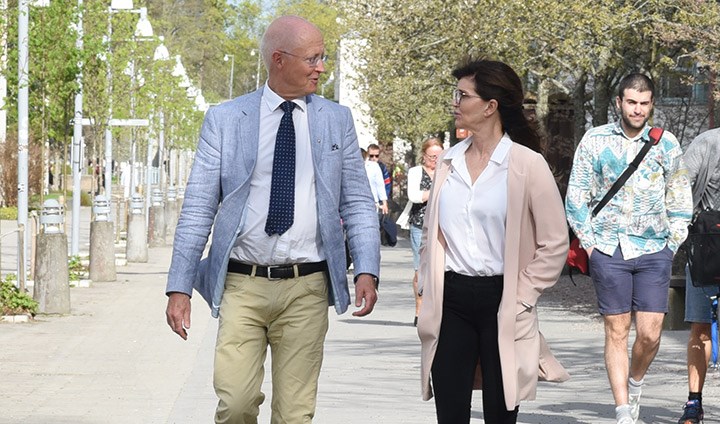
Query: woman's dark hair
(496, 80)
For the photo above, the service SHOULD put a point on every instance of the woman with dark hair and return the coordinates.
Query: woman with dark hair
(494, 238)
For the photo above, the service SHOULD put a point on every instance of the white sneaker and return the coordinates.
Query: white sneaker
(634, 401)
(622, 415)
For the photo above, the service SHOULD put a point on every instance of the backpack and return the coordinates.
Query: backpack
(703, 249)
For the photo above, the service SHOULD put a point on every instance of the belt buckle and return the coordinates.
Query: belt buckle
(269, 272)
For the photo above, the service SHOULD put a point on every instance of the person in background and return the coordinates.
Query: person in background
(279, 205)
(374, 155)
(702, 161)
(377, 184)
(494, 237)
(418, 189)
(632, 240)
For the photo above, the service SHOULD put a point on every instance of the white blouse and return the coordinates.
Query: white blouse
(472, 216)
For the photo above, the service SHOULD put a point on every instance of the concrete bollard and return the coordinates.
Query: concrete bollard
(102, 243)
(157, 220)
(52, 285)
(136, 248)
(171, 215)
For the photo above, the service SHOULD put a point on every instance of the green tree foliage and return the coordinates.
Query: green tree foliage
(207, 30)
(580, 49)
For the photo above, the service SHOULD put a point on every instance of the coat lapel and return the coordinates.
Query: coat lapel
(515, 207)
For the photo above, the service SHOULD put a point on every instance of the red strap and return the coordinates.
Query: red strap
(656, 134)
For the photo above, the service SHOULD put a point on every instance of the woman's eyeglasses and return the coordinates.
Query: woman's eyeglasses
(459, 95)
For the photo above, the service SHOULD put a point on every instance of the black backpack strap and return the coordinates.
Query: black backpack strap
(655, 136)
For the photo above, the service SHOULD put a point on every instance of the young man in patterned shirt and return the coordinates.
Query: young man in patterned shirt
(632, 240)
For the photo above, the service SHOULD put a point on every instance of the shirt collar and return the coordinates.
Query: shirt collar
(642, 135)
(273, 100)
(498, 156)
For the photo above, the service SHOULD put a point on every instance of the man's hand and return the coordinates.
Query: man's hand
(589, 251)
(384, 208)
(178, 313)
(365, 290)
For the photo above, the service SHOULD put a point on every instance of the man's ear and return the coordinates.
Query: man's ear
(276, 59)
(618, 102)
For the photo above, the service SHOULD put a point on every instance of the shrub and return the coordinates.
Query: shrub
(13, 301)
(85, 199)
(76, 269)
(9, 213)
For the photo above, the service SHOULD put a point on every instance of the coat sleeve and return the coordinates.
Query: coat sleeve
(357, 208)
(202, 197)
(551, 235)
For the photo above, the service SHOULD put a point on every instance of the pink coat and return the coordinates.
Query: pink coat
(536, 245)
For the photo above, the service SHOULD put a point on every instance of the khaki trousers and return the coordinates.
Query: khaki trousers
(290, 316)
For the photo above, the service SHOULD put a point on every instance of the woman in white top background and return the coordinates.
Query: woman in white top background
(494, 238)
(418, 189)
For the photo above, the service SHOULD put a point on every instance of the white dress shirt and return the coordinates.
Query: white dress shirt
(472, 216)
(302, 242)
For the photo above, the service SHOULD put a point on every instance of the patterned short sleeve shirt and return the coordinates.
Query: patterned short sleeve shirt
(653, 208)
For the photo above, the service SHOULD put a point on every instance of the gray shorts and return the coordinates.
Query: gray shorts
(697, 301)
(639, 284)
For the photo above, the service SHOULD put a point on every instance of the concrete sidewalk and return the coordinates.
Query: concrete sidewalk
(114, 360)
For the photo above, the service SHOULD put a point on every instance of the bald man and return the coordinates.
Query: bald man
(279, 179)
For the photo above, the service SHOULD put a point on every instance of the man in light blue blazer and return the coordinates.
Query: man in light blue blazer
(270, 285)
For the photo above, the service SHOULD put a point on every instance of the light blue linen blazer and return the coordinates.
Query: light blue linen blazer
(219, 184)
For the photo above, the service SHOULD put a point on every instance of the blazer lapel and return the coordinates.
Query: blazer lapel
(248, 129)
(316, 122)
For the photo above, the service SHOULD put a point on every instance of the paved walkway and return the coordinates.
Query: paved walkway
(113, 360)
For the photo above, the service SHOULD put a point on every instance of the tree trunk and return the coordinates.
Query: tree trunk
(542, 108)
(578, 100)
(601, 97)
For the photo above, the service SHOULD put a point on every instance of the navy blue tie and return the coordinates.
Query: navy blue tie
(282, 189)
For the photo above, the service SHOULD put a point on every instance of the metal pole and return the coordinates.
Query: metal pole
(3, 69)
(23, 82)
(257, 73)
(232, 71)
(161, 151)
(148, 170)
(76, 148)
(108, 131)
(22, 237)
(133, 145)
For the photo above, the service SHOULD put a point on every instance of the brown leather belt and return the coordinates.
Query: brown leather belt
(277, 272)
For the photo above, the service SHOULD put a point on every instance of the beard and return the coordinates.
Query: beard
(629, 123)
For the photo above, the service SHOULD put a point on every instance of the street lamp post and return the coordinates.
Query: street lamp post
(254, 52)
(23, 94)
(144, 30)
(230, 57)
(23, 134)
(77, 145)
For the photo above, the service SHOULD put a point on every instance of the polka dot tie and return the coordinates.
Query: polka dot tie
(282, 189)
